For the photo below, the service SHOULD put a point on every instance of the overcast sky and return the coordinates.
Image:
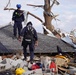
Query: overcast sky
(66, 11)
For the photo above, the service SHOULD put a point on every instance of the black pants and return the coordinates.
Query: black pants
(17, 26)
(31, 49)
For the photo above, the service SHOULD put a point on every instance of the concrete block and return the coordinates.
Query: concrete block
(2, 67)
(23, 64)
(38, 71)
(28, 73)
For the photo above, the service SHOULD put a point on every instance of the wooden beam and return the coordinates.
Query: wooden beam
(63, 69)
(72, 64)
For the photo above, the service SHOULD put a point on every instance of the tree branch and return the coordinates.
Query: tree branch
(54, 16)
(9, 8)
(53, 3)
(35, 5)
(27, 13)
(7, 4)
(35, 17)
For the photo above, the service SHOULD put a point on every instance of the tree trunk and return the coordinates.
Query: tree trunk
(47, 17)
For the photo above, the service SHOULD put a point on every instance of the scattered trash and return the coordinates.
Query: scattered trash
(45, 65)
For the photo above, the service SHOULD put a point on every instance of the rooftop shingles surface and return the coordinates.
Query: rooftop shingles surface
(47, 44)
(3, 49)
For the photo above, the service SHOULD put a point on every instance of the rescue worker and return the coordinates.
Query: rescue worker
(30, 39)
(18, 18)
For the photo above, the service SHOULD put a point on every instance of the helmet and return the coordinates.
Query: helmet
(18, 6)
(29, 23)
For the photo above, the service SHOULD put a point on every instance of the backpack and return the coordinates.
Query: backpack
(29, 34)
(18, 13)
(18, 16)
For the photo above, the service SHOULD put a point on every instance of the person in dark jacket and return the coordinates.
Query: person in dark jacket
(18, 18)
(26, 40)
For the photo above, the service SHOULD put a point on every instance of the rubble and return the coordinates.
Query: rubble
(15, 65)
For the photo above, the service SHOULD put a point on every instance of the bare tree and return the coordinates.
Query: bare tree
(6, 8)
(48, 15)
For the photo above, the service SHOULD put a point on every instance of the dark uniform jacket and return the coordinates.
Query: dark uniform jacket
(18, 16)
(23, 32)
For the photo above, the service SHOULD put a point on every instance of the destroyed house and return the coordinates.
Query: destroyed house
(47, 44)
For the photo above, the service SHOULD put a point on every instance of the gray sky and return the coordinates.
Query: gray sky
(66, 11)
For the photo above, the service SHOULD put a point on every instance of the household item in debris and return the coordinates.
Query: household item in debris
(53, 66)
(63, 57)
(19, 71)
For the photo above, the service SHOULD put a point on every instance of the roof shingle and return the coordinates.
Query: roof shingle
(47, 44)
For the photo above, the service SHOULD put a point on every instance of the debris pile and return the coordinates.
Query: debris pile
(43, 65)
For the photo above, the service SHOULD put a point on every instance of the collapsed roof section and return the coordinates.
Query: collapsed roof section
(47, 44)
(3, 49)
(69, 41)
